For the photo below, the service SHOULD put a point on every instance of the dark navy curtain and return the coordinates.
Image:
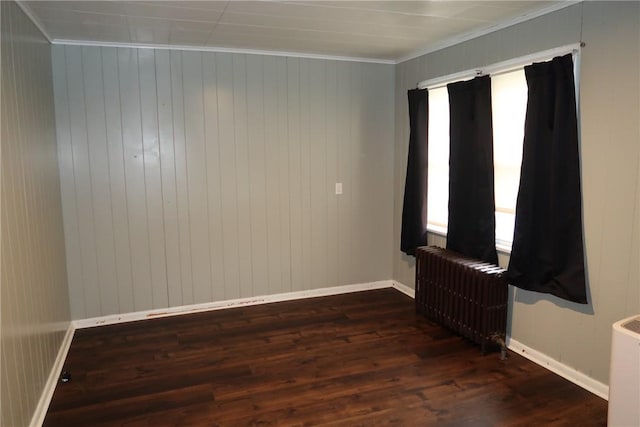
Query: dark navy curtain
(472, 224)
(547, 253)
(414, 208)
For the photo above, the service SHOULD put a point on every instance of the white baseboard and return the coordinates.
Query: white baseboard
(567, 372)
(221, 305)
(571, 374)
(411, 293)
(539, 358)
(50, 386)
(52, 381)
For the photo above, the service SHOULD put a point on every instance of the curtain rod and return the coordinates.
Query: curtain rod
(501, 67)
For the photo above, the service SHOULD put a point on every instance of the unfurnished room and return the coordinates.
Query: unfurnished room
(320, 213)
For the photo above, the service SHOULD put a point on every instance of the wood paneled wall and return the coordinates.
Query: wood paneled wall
(34, 307)
(576, 335)
(190, 177)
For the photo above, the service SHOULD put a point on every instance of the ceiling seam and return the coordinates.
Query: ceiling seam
(34, 19)
(215, 25)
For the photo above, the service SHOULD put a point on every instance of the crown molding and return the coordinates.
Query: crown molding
(222, 50)
(423, 51)
(34, 19)
(487, 30)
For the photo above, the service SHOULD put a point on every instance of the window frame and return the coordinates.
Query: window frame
(501, 68)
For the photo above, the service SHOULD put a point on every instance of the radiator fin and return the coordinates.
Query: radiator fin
(465, 295)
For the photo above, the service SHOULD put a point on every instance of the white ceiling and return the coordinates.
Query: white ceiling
(378, 30)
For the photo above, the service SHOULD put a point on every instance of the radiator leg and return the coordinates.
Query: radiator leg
(498, 339)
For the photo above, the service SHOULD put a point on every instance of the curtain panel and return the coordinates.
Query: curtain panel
(547, 254)
(472, 223)
(414, 208)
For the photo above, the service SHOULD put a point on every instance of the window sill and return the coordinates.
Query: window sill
(501, 246)
(437, 230)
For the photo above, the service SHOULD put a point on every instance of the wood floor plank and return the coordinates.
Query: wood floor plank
(359, 359)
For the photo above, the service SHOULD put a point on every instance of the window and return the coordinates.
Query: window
(509, 106)
(438, 174)
(509, 103)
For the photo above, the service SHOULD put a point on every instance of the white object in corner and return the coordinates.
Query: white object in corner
(624, 378)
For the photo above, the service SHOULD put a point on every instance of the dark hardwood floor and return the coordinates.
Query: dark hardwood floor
(360, 359)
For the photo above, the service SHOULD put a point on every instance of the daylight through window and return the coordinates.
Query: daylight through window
(509, 103)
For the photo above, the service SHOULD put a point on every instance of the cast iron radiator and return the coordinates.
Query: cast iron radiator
(463, 294)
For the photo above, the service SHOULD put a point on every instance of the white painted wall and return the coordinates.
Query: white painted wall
(192, 177)
(34, 301)
(576, 335)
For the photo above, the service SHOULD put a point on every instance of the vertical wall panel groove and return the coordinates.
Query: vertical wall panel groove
(332, 161)
(20, 236)
(34, 296)
(214, 189)
(257, 174)
(294, 182)
(228, 188)
(242, 173)
(152, 177)
(208, 185)
(185, 292)
(91, 205)
(284, 237)
(167, 173)
(134, 174)
(271, 154)
(214, 175)
(306, 215)
(196, 175)
(117, 179)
